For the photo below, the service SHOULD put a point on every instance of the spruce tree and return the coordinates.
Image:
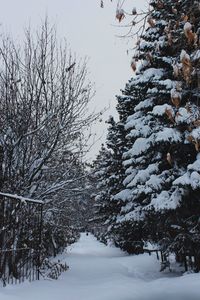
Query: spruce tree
(100, 173)
(109, 172)
(124, 235)
(163, 128)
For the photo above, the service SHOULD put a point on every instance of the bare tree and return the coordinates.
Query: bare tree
(131, 20)
(44, 114)
(44, 96)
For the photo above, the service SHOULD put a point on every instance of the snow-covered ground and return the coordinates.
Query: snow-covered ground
(99, 272)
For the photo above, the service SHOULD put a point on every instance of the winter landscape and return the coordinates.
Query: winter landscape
(100, 198)
(101, 272)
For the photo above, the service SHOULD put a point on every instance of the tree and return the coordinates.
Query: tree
(161, 127)
(163, 134)
(128, 235)
(100, 171)
(63, 189)
(44, 92)
(110, 170)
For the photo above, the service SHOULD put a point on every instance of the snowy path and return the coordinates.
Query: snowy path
(98, 272)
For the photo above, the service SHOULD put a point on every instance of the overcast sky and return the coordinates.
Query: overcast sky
(90, 32)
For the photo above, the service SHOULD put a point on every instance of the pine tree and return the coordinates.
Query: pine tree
(115, 143)
(109, 172)
(163, 129)
(124, 235)
(100, 171)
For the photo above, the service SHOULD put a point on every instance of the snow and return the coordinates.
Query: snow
(140, 146)
(196, 133)
(136, 214)
(99, 272)
(184, 56)
(195, 180)
(166, 201)
(23, 199)
(192, 176)
(135, 119)
(124, 195)
(183, 116)
(183, 180)
(144, 104)
(196, 55)
(160, 110)
(196, 165)
(167, 83)
(151, 73)
(140, 130)
(175, 94)
(130, 176)
(187, 26)
(143, 175)
(168, 135)
(192, 179)
(155, 182)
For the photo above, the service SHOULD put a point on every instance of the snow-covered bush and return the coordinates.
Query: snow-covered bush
(52, 269)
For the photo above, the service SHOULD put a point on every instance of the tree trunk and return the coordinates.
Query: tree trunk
(1, 167)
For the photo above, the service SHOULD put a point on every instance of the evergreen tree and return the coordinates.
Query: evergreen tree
(122, 229)
(109, 171)
(101, 174)
(115, 143)
(163, 128)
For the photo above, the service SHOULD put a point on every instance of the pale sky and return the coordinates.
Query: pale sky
(90, 32)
